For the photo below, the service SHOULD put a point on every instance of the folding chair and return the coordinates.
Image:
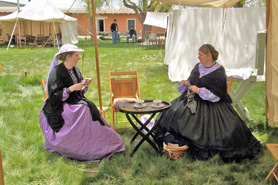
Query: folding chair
(1, 170)
(43, 82)
(124, 85)
(273, 148)
(229, 84)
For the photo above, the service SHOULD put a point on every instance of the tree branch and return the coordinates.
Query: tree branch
(135, 8)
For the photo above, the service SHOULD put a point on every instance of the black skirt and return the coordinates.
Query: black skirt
(215, 128)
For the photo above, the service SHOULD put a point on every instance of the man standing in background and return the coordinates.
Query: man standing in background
(114, 30)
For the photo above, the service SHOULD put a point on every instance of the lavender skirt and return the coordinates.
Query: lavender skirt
(80, 137)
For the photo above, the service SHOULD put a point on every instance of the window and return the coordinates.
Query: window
(131, 22)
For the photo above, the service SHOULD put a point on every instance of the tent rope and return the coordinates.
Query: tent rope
(224, 18)
(22, 76)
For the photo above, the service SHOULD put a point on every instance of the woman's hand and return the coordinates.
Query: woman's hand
(88, 81)
(194, 88)
(76, 87)
(184, 83)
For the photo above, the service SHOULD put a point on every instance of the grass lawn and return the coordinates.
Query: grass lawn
(26, 161)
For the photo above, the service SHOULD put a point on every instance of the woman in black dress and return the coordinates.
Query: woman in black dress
(203, 117)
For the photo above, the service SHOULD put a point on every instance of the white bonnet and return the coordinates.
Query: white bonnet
(65, 48)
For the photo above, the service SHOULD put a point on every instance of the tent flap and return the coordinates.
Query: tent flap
(156, 19)
(272, 65)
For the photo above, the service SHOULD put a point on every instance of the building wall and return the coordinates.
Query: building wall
(84, 23)
(122, 18)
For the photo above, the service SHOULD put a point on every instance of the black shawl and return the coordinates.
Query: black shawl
(59, 79)
(215, 81)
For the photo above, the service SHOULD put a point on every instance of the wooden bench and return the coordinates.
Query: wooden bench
(273, 149)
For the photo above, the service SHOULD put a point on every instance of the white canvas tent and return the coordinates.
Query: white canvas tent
(191, 28)
(40, 17)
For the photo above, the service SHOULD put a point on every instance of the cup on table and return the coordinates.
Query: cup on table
(139, 102)
(157, 103)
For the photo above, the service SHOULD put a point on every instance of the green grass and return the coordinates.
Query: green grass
(26, 161)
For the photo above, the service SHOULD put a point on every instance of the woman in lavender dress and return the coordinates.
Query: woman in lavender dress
(71, 124)
(203, 117)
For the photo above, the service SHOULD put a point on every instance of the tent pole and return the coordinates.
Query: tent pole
(96, 52)
(19, 35)
(55, 35)
(12, 34)
(31, 28)
(18, 6)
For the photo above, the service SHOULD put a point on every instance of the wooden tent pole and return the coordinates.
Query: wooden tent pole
(19, 34)
(96, 52)
(1, 169)
(31, 22)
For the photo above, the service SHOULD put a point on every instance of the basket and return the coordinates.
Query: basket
(174, 151)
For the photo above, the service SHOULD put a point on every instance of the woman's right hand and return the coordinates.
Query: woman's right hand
(76, 87)
(184, 83)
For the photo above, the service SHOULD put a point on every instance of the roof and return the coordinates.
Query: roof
(98, 11)
(9, 4)
(10, 9)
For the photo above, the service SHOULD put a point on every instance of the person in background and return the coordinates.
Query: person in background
(71, 124)
(203, 118)
(131, 34)
(114, 30)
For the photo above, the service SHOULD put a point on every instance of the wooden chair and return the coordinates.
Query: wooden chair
(43, 82)
(1, 170)
(229, 84)
(124, 85)
(19, 40)
(273, 148)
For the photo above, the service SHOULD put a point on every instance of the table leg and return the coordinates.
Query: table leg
(145, 137)
(238, 94)
(144, 125)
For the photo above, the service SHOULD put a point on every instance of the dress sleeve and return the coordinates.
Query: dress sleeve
(85, 89)
(65, 94)
(183, 89)
(206, 94)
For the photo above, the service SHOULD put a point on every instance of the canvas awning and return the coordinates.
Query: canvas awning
(202, 3)
(156, 19)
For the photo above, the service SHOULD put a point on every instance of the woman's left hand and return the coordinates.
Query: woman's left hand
(194, 88)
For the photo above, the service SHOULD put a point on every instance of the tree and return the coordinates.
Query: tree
(98, 4)
(143, 6)
(250, 3)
